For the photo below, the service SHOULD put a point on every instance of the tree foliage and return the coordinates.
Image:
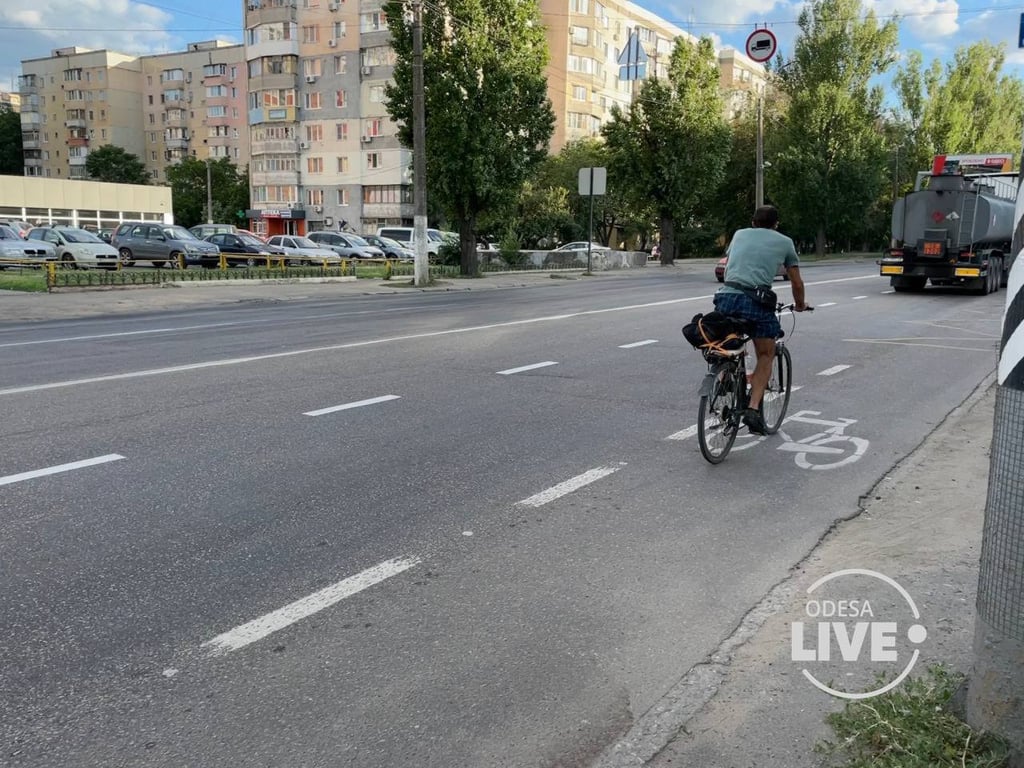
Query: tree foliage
(229, 186)
(828, 157)
(115, 164)
(670, 148)
(12, 161)
(488, 118)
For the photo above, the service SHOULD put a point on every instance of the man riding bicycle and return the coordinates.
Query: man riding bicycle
(755, 255)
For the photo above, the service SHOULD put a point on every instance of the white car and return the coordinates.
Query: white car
(77, 248)
(14, 250)
(301, 250)
(582, 246)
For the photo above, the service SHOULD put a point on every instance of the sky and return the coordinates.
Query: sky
(32, 28)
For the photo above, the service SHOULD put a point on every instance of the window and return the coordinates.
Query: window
(172, 75)
(372, 160)
(379, 56)
(338, 29)
(216, 111)
(342, 197)
(103, 133)
(152, 155)
(216, 91)
(339, 99)
(388, 194)
(580, 6)
(373, 127)
(376, 94)
(151, 99)
(314, 132)
(314, 197)
(580, 35)
(72, 74)
(152, 118)
(341, 131)
(213, 70)
(312, 100)
(339, 65)
(314, 164)
(312, 67)
(579, 93)
(373, 22)
(311, 34)
(342, 164)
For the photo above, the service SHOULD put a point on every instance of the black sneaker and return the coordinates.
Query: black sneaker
(753, 420)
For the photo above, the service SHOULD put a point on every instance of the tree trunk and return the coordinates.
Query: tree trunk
(469, 262)
(667, 228)
(819, 241)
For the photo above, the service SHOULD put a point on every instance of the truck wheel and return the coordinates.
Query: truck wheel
(909, 284)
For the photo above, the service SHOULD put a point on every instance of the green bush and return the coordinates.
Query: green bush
(508, 248)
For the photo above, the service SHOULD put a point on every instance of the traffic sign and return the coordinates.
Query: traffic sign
(1020, 36)
(761, 45)
(592, 181)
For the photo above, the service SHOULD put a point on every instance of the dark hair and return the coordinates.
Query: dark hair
(766, 217)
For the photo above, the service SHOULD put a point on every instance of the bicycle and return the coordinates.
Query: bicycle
(725, 394)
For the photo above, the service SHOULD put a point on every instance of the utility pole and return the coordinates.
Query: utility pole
(759, 172)
(995, 691)
(209, 194)
(421, 271)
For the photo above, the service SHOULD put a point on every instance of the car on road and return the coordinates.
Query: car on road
(244, 249)
(392, 248)
(404, 236)
(14, 247)
(722, 262)
(162, 244)
(77, 248)
(346, 245)
(301, 250)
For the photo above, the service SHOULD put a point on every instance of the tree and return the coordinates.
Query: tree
(670, 148)
(488, 118)
(116, 165)
(12, 162)
(828, 157)
(229, 186)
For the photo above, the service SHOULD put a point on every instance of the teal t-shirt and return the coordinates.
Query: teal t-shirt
(755, 255)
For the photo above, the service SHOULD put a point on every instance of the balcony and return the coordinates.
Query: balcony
(267, 48)
(273, 115)
(79, 160)
(33, 162)
(275, 147)
(273, 81)
(75, 122)
(31, 120)
(177, 143)
(173, 102)
(29, 84)
(78, 141)
(275, 178)
(388, 210)
(178, 121)
(30, 140)
(257, 12)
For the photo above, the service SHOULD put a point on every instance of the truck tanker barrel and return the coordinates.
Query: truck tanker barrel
(968, 210)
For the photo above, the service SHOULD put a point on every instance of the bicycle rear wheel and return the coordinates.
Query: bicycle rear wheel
(718, 420)
(776, 394)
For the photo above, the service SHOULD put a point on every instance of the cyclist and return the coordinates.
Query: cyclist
(755, 255)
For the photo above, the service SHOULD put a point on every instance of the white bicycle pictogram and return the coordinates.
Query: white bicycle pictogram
(820, 450)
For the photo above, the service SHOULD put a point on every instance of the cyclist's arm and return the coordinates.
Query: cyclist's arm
(797, 283)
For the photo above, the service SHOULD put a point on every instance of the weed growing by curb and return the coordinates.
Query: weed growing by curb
(912, 726)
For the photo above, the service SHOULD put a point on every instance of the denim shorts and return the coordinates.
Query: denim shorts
(766, 322)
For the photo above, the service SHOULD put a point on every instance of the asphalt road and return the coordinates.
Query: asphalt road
(478, 567)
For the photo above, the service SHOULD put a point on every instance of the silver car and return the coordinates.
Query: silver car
(301, 250)
(77, 248)
(17, 252)
(346, 245)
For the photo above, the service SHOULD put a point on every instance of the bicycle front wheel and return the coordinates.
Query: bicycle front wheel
(776, 394)
(718, 420)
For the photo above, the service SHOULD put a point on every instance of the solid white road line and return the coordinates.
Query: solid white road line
(369, 343)
(858, 298)
(520, 369)
(357, 404)
(106, 459)
(570, 485)
(257, 629)
(826, 304)
(833, 370)
(685, 434)
(635, 344)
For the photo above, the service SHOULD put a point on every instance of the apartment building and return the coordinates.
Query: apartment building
(195, 106)
(74, 100)
(742, 80)
(10, 100)
(324, 152)
(160, 108)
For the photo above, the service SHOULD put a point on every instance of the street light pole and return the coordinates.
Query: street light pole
(421, 270)
(209, 194)
(759, 173)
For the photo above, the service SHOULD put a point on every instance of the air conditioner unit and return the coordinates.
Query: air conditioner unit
(318, 209)
(367, 139)
(303, 145)
(188, 77)
(367, 70)
(332, 43)
(332, 6)
(310, 78)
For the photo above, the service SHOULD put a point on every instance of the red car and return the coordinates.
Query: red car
(720, 270)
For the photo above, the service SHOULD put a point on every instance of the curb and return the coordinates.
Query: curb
(250, 281)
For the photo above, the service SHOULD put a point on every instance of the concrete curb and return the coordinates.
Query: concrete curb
(250, 281)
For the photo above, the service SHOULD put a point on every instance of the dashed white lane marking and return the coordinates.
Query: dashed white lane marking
(685, 434)
(635, 344)
(570, 485)
(858, 298)
(357, 404)
(372, 342)
(105, 459)
(891, 290)
(833, 370)
(827, 304)
(257, 629)
(520, 369)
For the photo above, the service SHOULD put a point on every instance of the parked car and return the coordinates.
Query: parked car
(160, 244)
(77, 248)
(404, 236)
(243, 249)
(21, 228)
(346, 245)
(202, 231)
(581, 246)
(261, 238)
(106, 235)
(392, 248)
(301, 250)
(14, 246)
(722, 262)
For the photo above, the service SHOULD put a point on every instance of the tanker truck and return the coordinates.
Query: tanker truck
(955, 227)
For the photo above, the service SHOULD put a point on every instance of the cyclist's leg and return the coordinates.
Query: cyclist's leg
(765, 349)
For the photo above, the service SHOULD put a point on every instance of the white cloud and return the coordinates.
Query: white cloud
(118, 25)
(925, 19)
(997, 26)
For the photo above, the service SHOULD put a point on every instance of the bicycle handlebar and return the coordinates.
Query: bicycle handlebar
(784, 307)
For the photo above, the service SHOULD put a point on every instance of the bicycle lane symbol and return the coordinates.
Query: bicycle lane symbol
(818, 451)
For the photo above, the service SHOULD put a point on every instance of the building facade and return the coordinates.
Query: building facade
(160, 108)
(742, 80)
(10, 100)
(73, 203)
